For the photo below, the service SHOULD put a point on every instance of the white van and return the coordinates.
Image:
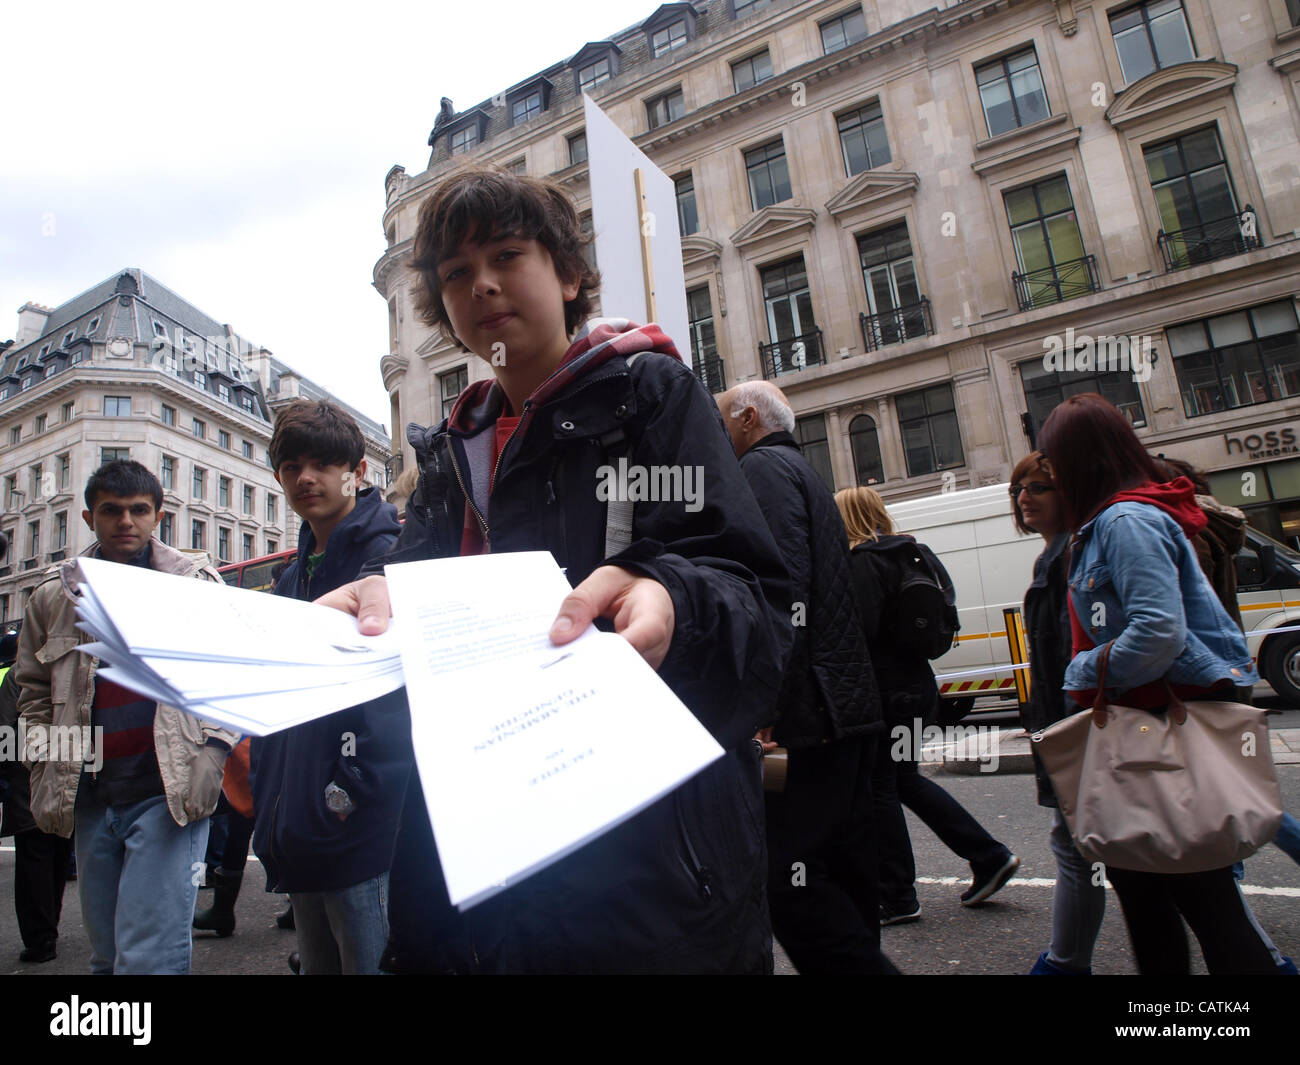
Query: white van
(991, 564)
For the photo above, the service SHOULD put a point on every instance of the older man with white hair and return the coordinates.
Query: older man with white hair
(822, 881)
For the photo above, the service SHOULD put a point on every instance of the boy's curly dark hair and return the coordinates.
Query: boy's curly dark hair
(482, 203)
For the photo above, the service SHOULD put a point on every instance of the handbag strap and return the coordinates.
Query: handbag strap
(1177, 709)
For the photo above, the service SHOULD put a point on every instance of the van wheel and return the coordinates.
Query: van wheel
(953, 710)
(1282, 668)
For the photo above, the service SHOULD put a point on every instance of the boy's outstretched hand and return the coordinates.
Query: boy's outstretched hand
(641, 608)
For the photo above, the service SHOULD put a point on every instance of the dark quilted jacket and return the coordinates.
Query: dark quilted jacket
(829, 689)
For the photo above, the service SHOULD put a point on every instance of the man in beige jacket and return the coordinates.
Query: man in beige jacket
(140, 793)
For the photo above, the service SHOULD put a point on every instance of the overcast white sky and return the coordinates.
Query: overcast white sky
(237, 152)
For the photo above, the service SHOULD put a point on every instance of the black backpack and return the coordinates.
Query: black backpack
(924, 607)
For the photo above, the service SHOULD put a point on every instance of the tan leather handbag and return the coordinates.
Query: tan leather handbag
(1186, 791)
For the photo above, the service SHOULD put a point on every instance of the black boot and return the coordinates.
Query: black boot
(285, 920)
(221, 917)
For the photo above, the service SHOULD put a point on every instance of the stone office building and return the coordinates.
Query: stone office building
(929, 222)
(128, 369)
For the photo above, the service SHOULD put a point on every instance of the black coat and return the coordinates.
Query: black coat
(903, 674)
(829, 690)
(365, 749)
(680, 886)
(17, 796)
(1047, 629)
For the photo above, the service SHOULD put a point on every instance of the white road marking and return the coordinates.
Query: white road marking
(1040, 881)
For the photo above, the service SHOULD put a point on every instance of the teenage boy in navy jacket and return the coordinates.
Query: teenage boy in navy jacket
(327, 794)
(700, 590)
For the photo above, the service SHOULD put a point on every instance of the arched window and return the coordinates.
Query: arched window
(867, 467)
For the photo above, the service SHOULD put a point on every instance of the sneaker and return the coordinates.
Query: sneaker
(1044, 967)
(1287, 967)
(904, 916)
(982, 887)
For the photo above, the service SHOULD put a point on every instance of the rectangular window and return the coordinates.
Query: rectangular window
(704, 342)
(200, 482)
(1238, 359)
(927, 420)
(593, 74)
(688, 218)
(60, 531)
(843, 30)
(117, 406)
(168, 415)
(768, 174)
(15, 434)
(745, 8)
(65, 471)
(894, 307)
(198, 535)
(199, 428)
(249, 499)
(69, 409)
(166, 529)
(223, 491)
(223, 544)
(666, 108)
(450, 385)
(11, 491)
(1151, 36)
(810, 431)
(463, 139)
(862, 138)
(526, 107)
(33, 539)
(788, 300)
(37, 487)
(577, 148)
(272, 508)
(248, 547)
(670, 37)
(167, 473)
(1044, 389)
(42, 420)
(223, 439)
(272, 545)
(1011, 90)
(1049, 246)
(114, 454)
(754, 70)
(1193, 191)
(1293, 11)
(248, 450)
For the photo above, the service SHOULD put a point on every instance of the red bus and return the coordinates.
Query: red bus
(257, 573)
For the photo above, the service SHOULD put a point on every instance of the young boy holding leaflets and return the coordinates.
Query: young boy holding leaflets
(699, 591)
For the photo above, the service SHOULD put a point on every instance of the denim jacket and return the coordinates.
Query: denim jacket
(1134, 579)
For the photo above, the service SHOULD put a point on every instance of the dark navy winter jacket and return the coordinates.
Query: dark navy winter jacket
(365, 750)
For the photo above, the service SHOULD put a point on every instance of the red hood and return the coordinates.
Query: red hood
(600, 340)
(1177, 498)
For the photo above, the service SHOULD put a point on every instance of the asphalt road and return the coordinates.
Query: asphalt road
(1004, 936)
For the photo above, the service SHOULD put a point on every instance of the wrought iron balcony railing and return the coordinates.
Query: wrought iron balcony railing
(712, 373)
(894, 327)
(792, 355)
(1054, 284)
(1208, 241)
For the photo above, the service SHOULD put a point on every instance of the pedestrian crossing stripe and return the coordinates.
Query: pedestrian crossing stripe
(1042, 881)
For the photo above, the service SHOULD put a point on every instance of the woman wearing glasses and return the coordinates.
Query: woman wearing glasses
(1078, 901)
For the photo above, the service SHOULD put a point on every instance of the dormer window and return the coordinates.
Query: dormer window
(94, 325)
(159, 330)
(67, 338)
(745, 8)
(596, 73)
(462, 140)
(594, 65)
(45, 350)
(669, 38)
(529, 101)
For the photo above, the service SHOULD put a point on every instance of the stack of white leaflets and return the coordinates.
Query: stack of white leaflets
(526, 750)
(253, 662)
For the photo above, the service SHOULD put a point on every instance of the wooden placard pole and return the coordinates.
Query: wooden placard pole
(647, 255)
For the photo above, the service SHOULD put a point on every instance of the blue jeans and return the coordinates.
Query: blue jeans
(342, 932)
(1078, 905)
(138, 876)
(1288, 837)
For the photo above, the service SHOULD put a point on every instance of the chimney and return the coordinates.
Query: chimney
(32, 318)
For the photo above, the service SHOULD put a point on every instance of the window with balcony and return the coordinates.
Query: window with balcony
(768, 174)
(927, 420)
(167, 473)
(1045, 389)
(688, 217)
(671, 37)
(451, 385)
(666, 108)
(1049, 248)
(810, 432)
(199, 486)
(897, 312)
(787, 301)
(1237, 360)
(864, 443)
(752, 70)
(704, 342)
(1199, 219)
(114, 454)
(862, 138)
(844, 29)
(223, 491)
(1151, 36)
(198, 535)
(577, 148)
(117, 406)
(1011, 91)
